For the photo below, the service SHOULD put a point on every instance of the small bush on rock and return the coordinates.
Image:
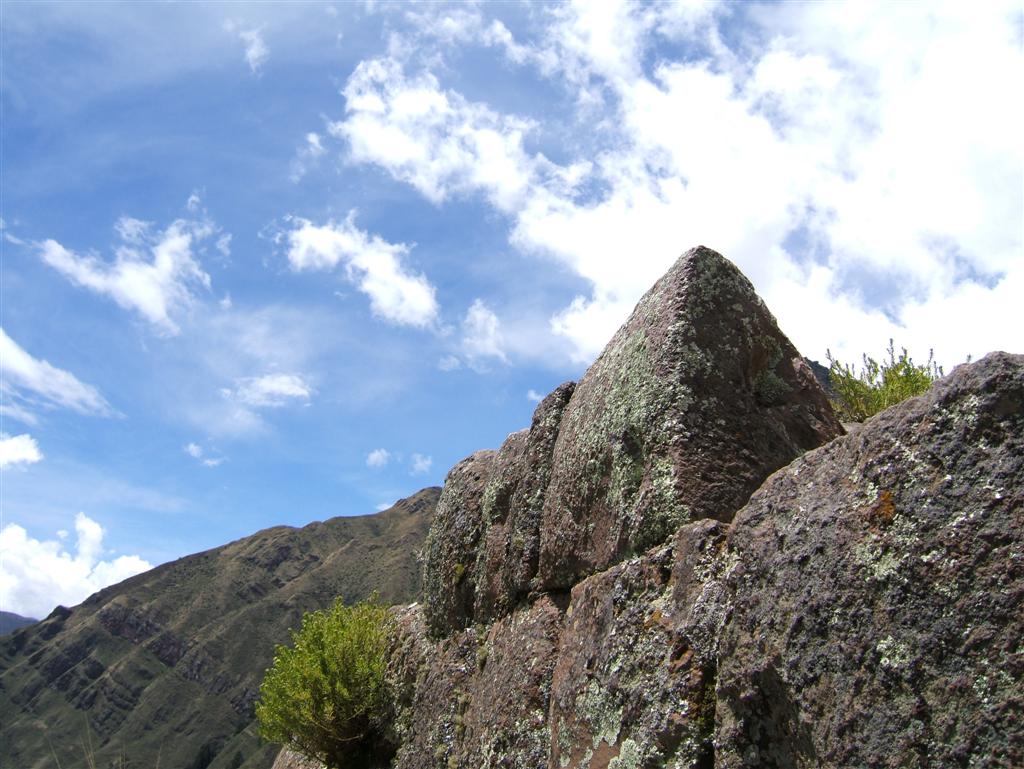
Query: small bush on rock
(879, 384)
(327, 696)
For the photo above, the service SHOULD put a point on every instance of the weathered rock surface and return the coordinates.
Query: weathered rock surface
(861, 608)
(693, 403)
(696, 399)
(513, 502)
(635, 679)
(878, 598)
(449, 576)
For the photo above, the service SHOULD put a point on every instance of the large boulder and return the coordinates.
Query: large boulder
(877, 599)
(636, 671)
(693, 403)
(449, 569)
(513, 503)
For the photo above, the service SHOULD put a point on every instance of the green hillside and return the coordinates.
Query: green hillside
(162, 669)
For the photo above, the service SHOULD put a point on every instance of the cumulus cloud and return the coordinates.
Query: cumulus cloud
(820, 153)
(270, 390)
(28, 382)
(421, 464)
(37, 575)
(533, 395)
(153, 273)
(375, 266)
(378, 458)
(481, 333)
(435, 140)
(18, 450)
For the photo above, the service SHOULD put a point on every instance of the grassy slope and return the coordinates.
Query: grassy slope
(168, 662)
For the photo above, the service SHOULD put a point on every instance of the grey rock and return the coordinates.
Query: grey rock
(877, 598)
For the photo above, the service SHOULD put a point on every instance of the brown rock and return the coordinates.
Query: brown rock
(513, 502)
(449, 571)
(635, 677)
(694, 402)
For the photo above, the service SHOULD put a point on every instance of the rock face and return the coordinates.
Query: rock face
(694, 402)
(663, 572)
(877, 597)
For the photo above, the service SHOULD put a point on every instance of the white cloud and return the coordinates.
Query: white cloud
(378, 458)
(307, 156)
(371, 263)
(35, 382)
(449, 363)
(37, 575)
(533, 395)
(433, 139)
(8, 236)
(199, 453)
(18, 450)
(481, 333)
(820, 154)
(421, 464)
(256, 50)
(224, 245)
(157, 284)
(270, 390)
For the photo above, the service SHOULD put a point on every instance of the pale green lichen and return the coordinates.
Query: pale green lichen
(893, 654)
(596, 708)
(628, 758)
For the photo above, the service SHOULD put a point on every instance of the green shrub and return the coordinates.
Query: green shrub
(326, 696)
(879, 384)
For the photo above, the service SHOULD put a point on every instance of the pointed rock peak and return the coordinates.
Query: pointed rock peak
(693, 403)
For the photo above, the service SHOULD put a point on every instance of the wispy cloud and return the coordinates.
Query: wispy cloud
(371, 263)
(153, 273)
(421, 464)
(306, 156)
(37, 575)
(199, 453)
(256, 50)
(29, 382)
(271, 391)
(533, 395)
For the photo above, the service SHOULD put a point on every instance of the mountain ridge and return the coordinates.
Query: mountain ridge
(167, 663)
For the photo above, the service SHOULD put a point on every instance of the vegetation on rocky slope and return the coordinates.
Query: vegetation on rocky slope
(880, 384)
(326, 694)
(168, 663)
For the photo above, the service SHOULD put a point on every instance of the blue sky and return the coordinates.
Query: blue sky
(270, 263)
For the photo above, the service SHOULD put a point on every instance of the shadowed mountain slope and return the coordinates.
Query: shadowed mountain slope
(163, 668)
(9, 622)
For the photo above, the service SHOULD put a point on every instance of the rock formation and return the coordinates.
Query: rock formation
(665, 572)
